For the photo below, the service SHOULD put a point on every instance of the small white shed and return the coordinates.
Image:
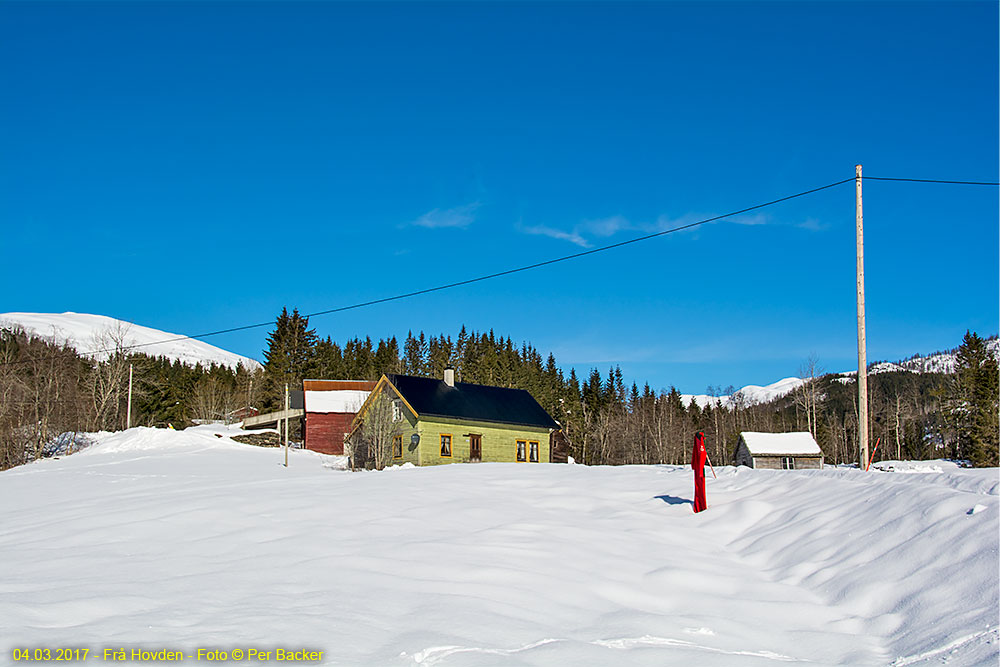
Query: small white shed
(778, 451)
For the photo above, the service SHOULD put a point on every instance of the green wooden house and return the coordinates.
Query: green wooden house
(443, 421)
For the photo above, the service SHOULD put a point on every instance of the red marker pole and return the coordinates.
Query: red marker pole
(710, 465)
(874, 449)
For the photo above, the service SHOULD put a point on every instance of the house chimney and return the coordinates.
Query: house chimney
(449, 376)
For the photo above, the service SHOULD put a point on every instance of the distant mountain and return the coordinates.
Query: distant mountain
(938, 362)
(751, 393)
(84, 333)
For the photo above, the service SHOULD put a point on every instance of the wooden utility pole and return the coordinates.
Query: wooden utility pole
(128, 411)
(286, 425)
(862, 353)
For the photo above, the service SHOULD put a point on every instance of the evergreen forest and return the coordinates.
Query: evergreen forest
(49, 394)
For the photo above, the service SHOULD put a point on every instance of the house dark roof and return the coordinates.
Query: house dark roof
(475, 402)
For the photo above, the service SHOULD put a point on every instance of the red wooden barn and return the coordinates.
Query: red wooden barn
(330, 406)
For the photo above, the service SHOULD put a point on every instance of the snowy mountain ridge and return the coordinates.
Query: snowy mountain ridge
(748, 395)
(90, 335)
(939, 362)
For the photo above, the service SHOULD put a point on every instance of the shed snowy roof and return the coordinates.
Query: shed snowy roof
(343, 401)
(761, 444)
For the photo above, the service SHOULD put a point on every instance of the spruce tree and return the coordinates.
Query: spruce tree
(387, 357)
(974, 402)
(289, 355)
(329, 361)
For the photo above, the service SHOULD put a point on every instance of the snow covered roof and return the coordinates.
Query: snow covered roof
(341, 400)
(761, 444)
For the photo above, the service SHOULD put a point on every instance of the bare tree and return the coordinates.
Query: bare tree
(11, 450)
(808, 396)
(107, 382)
(372, 442)
(212, 400)
(39, 394)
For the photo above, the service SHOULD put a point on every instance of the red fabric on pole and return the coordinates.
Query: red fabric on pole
(698, 457)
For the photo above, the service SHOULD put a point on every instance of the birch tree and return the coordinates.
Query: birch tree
(371, 444)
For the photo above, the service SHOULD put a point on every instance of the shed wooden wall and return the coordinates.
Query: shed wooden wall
(801, 462)
(559, 446)
(325, 431)
(743, 457)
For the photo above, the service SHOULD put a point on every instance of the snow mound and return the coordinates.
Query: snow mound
(185, 539)
(86, 334)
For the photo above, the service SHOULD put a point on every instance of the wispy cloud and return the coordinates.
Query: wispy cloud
(813, 225)
(809, 224)
(750, 220)
(587, 232)
(541, 230)
(605, 227)
(460, 216)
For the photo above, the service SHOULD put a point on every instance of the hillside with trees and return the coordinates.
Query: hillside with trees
(914, 415)
(49, 393)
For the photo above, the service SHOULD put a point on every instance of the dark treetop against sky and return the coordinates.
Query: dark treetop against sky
(195, 166)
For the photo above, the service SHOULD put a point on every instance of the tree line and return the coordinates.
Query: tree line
(49, 393)
(913, 415)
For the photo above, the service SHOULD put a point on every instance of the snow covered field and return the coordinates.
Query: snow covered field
(179, 540)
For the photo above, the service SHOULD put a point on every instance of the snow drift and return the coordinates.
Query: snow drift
(180, 540)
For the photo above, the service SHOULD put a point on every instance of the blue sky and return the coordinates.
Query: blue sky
(196, 166)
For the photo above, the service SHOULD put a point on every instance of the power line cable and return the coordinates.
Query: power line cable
(469, 281)
(927, 180)
(526, 267)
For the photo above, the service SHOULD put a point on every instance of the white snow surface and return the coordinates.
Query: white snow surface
(82, 332)
(335, 400)
(799, 442)
(182, 540)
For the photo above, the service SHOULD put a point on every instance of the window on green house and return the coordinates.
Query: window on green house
(534, 452)
(397, 446)
(521, 446)
(445, 445)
